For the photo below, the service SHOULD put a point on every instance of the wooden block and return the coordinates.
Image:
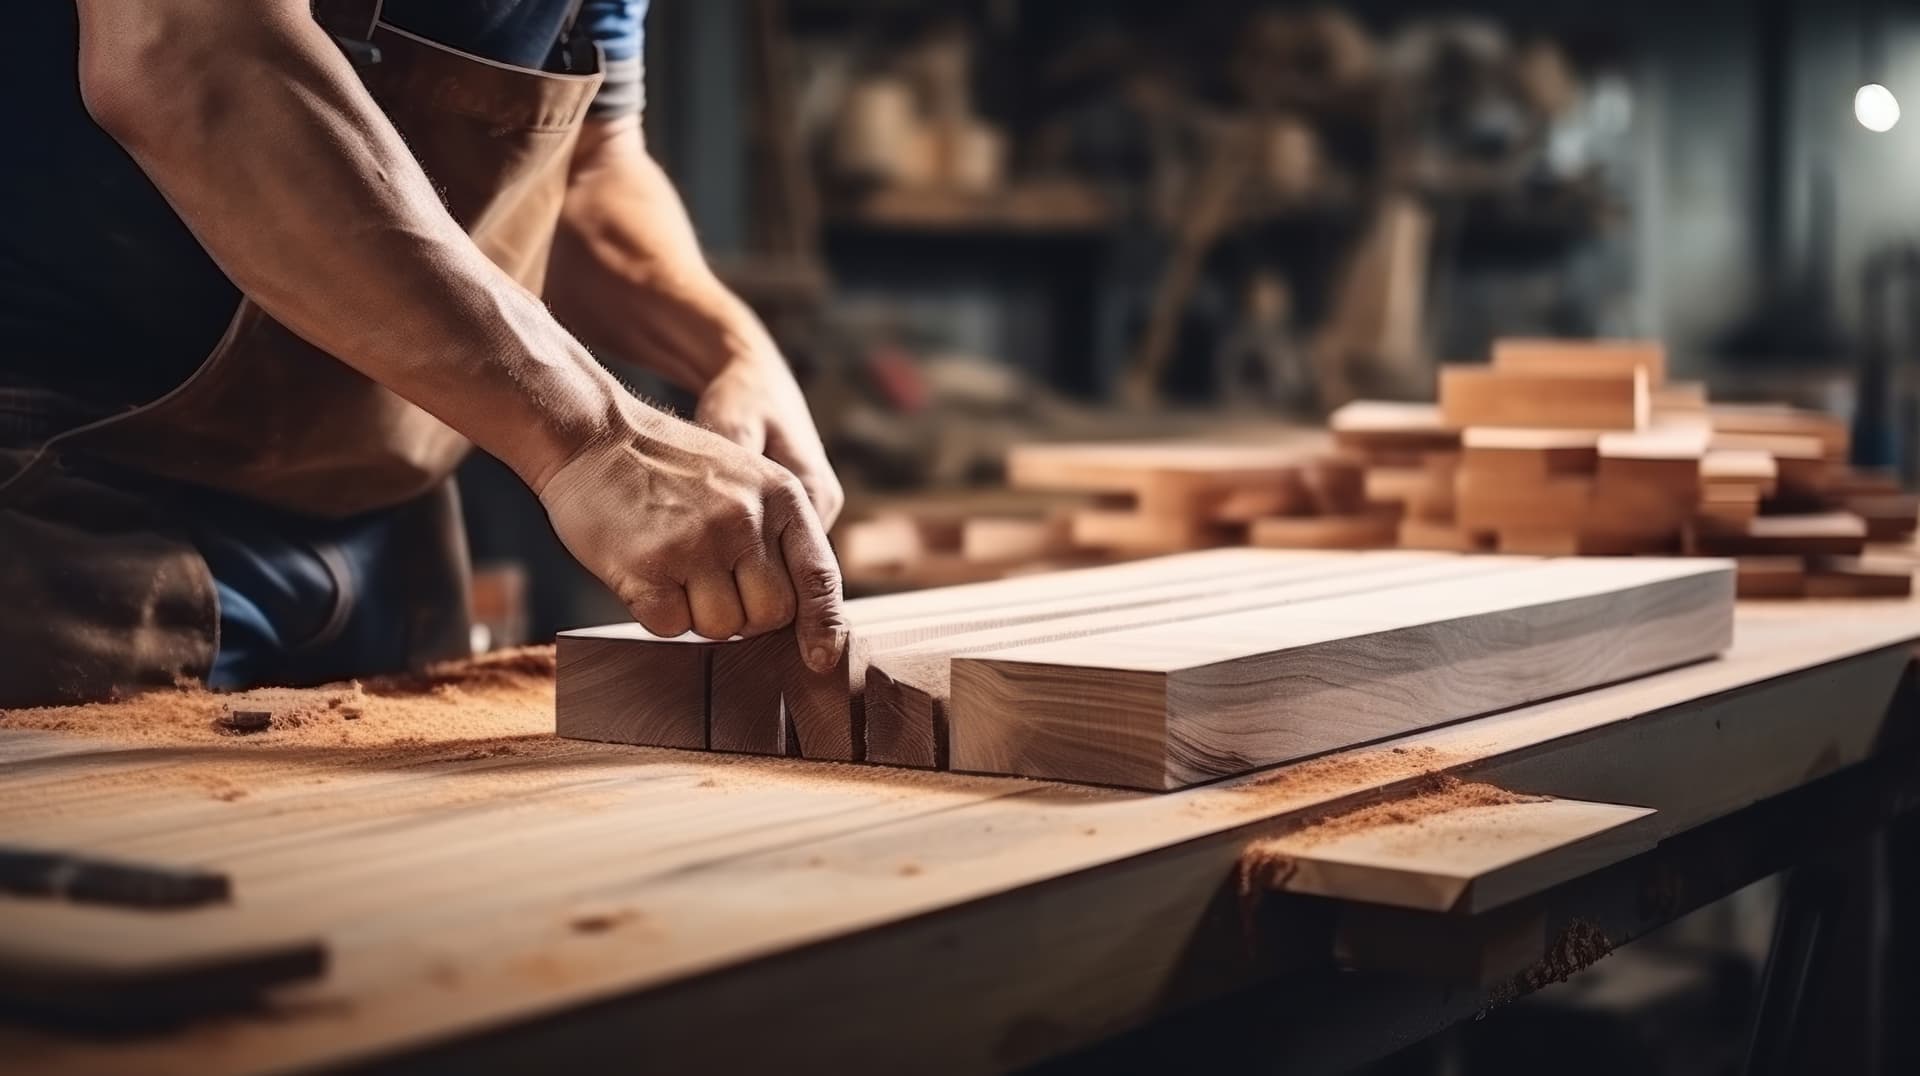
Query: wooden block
(1679, 398)
(1850, 577)
(1835, 533)
(620, 684)
(1489, 503)
(1583, 543)
(1854, 481)
(1729, 507)
(884, 541)
(1146, 532)
(1242, 506)
(1528, 455)
(909, 688)
(1483, 396)
(1890, 516)
(1383, 431)
(1172, 473)
(1747, 467)
(1769, 420)
(1770, 577)
(1334, 486)
(1446, 537)
(1375, 529)
(1588, 358)
(1161, 708)
(1462, 860)
(764, 700)
(1779, 446)
(1007, 539)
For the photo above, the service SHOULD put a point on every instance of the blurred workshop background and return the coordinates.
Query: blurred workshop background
(978, 224)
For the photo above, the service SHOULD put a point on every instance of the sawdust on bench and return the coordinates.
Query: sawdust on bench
(1268, 863)
(505, 694)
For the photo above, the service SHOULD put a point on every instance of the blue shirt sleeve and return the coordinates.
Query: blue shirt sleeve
(618, 27)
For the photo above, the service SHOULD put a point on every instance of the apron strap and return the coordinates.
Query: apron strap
(350, 19)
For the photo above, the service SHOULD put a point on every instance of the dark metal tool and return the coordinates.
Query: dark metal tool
(27, 872)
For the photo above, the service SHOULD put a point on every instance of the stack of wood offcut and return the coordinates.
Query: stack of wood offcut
(1586, 448)
(909, 548)
(1170, 497)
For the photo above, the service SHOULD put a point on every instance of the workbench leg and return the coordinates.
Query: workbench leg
(1821, 997)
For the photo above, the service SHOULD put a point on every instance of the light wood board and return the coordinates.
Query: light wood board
(1161, 708)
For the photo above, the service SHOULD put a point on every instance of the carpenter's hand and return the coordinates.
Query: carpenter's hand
(754, 402)
(693, 532)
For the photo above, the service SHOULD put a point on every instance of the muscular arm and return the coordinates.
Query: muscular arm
(629, 275)
(257, 131)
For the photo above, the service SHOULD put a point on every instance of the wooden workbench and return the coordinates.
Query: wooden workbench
(556, 901)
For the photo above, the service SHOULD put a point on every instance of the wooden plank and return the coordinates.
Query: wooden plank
(1483, 396)
(1384, 431)
(1173, 470)
(1447, 537)
(1160, 709)
(1489, 503)
(1854, 577)
(1831, 533)
(627, 686)
(762, 692)
(1771, 577)
(1528, 455)
(1778, 420)
(1679, 398)
(1591, 358)
(1582, 543)
(1743, 467)
(1376, 529)
(909, 689)
(1009, 539)
(1464, 860)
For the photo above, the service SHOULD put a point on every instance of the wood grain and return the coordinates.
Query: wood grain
(909, 688)
(1485, 396)
(1465, 860)
(1159, 709)
(1591, 358)
(623, 685)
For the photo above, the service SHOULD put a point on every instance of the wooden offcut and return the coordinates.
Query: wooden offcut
(1158, 709)
(1590, 358)
(1486, 396)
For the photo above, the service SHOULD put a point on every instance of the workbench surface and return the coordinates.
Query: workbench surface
(531, 897)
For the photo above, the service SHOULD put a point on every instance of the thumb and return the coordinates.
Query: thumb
(820, 622)
(722, 410)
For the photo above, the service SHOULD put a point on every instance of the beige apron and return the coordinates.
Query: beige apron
(103, 597)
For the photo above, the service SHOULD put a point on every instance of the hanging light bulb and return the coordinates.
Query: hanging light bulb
(1876, 108)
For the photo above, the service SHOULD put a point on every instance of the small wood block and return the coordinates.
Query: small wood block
(1587, 358)
(1769, 420)
(1483, 396)
(1584, 543)
(1389, 432)
(1241, 506)
(1731, 466)
(620, 684)
(884, 541)
(1864, 482)
(1728, 508)
(1848, 577)
(1834, 533)
(1770, 577)
(763, 692)
(1418, 533)
(1144, 532)
(1529, 455)
(1488, 503)
(1370, 530)
(1890, 516)
(1335, 486)
(1679, 398)
(1463, 861)
(1004, 539)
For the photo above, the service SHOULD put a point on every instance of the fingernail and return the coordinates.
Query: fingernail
(817, 657)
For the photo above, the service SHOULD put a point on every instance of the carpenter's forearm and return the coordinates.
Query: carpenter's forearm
(628, 272)
(256, 129)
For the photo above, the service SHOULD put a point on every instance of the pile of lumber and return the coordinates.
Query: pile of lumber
(1167, 497)
(1586, 448)
(908, 549)
(1160, 673)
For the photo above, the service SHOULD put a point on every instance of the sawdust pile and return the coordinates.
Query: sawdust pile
(508, 693)
(1580, 946)
(1266, 864)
